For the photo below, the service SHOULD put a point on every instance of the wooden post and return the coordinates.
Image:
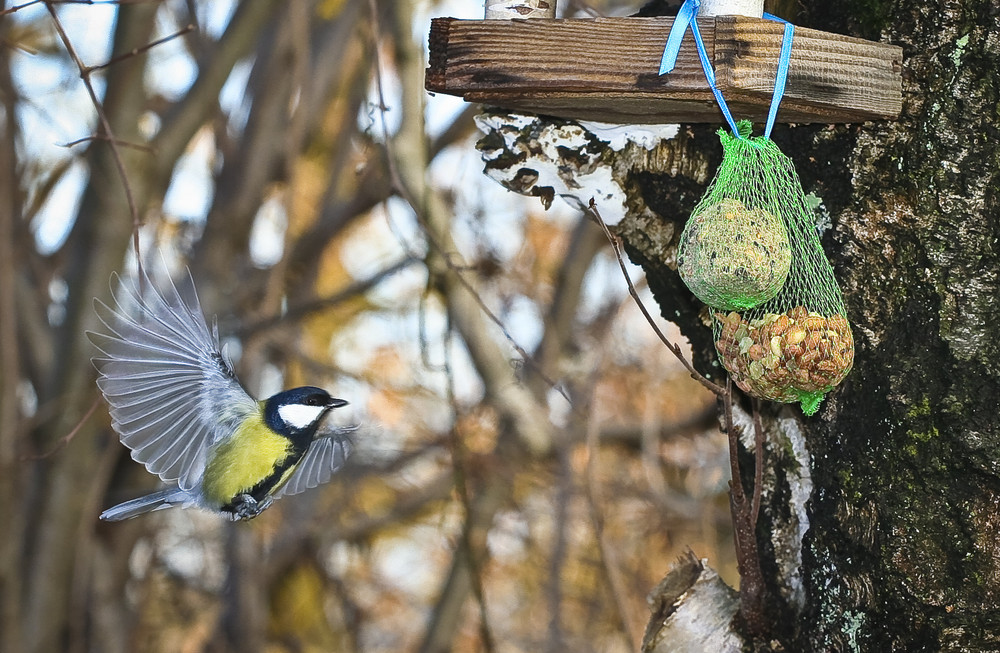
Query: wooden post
(507, 9)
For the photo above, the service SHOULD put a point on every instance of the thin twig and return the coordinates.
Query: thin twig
(422, 337)
(403, 191)
(609, 557)
(136, 51)
(64, 440)
(475, 572)
(305, 309)
(736, 482)
(753, 589)
(557, 559)
(89, 139)
(15, 8)
(32, 3)
(458, 458)
(758, 476)
(109, 133)
(675, 349)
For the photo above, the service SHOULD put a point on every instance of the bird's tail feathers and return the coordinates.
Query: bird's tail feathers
(155, 501)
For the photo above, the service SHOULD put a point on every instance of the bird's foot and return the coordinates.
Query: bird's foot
(244, 507)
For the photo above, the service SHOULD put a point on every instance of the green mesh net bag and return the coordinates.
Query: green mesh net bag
(751, 252)
(734, 252)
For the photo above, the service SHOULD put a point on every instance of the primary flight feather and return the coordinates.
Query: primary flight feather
(176, 403)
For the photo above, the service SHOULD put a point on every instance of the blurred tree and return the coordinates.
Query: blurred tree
(487, 511)
(474, 335)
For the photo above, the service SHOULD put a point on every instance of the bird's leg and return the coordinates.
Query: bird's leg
(244, 506)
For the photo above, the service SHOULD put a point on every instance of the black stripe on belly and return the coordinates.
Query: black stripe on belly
(267, 485)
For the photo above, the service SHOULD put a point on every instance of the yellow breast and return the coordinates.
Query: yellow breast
(239, 463)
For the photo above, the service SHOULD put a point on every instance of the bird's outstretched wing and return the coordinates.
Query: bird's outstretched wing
(171, 390)
(325, 455)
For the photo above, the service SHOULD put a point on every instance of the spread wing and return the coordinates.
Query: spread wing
(325, 455)
(171, 390)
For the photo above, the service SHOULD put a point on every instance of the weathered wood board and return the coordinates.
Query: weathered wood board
(607, 69)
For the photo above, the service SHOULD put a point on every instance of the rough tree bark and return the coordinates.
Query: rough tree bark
(881, 514)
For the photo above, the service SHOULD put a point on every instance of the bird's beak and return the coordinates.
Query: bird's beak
(336, 403)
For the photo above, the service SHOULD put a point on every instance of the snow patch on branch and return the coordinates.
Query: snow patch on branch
(548, 157)
(618, 136)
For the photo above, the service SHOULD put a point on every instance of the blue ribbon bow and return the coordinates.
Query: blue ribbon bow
(687, 16)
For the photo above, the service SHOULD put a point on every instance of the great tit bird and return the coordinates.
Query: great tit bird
(176, 403)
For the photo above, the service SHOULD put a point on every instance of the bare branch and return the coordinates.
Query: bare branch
(184, 119)
(101, 137)
(752, 587)
(66, 439)
(585, 243)
(609, 557)
(32, 3)
(411, 504)
(758, 474)
(445, 251)
(12, 363)
(446, 616)
(462, 125)
(136, 51)
(15, 8)
(616, 244)
(557, 558)
(106, 126)
(458, 462)
(306, 309)
(735, 483)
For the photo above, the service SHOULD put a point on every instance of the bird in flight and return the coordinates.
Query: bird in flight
(176, 403)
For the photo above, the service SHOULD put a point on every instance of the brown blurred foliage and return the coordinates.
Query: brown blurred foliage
(472, 515)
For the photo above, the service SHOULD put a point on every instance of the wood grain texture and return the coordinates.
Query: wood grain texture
(826, 70)
(607, 69)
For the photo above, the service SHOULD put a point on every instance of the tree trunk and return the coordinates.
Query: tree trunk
(881, 514)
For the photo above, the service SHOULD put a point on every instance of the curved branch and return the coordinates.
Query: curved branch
(187, 116)
(675, 349)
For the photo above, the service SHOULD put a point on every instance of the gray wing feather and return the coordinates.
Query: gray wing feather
(322, 459)
(172, 392)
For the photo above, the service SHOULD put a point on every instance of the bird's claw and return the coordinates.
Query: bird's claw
(244, 507)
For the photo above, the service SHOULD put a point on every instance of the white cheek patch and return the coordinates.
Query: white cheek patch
(299, 416)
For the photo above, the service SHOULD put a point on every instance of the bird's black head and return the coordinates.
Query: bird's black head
(299, 410)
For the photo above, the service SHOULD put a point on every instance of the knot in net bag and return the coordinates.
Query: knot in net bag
(778, 317)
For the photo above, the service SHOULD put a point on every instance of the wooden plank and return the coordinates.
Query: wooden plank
(859, 77)
(607, 69)
(563, 54)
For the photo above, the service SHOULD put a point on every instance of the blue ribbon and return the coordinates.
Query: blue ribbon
(782, 75)
(687, 17)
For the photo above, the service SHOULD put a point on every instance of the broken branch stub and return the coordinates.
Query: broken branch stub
(507, 9)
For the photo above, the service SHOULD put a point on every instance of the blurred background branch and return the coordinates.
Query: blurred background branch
(336, 221)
